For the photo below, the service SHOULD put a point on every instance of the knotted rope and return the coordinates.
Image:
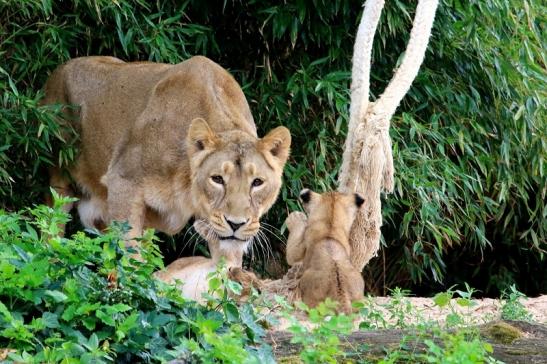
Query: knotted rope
(367, 165)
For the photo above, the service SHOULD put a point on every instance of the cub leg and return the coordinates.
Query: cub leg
(60, 184)
(248, 281)
(357, 287)
(296, 223)
(314, 287)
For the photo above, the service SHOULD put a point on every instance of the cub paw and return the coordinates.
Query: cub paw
(295, 220)
(245, 278)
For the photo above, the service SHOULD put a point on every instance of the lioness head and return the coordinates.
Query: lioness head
(331, 207)
(235, 178)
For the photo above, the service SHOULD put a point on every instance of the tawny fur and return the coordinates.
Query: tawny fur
(153, 136)
(319, 252)
(193, 271)
(320, 243)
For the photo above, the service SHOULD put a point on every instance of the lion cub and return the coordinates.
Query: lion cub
(321, 243)
(193, 271)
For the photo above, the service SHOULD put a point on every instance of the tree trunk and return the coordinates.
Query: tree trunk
(512, 341)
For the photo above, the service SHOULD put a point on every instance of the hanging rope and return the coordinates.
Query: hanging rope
(367, 165)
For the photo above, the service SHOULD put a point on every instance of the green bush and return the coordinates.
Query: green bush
(512, 308)
(84, 300)
(469, 138)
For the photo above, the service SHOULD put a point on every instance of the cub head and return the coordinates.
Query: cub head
(331, 207)
(235, 178)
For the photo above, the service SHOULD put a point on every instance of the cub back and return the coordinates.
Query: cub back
(328, 272)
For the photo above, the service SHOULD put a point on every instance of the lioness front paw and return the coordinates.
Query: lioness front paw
(295, 220)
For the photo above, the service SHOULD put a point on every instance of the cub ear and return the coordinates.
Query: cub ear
(305, 195)
(200, 136)
(359, 200)
(277, 143)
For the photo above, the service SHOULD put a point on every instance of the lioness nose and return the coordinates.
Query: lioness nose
(235, 225)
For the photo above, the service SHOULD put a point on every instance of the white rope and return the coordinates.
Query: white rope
(360, 80)
(412, 60)
(367, 165)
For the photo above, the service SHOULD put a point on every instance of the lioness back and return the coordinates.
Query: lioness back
(112, 94)
(153, 136)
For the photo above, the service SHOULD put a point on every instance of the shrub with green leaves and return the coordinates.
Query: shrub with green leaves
(423, 341)
(462, 347)
(456, 340)
(469, 138)
(322, 342)
(83, 299)
(512, 308)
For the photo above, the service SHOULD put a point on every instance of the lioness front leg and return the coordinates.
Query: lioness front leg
(296, 224)
(126, 203)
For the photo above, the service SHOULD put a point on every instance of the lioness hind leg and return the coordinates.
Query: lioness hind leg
(61, 185)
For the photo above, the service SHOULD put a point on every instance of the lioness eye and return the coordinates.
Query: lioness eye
(218, 179)
(257, 182)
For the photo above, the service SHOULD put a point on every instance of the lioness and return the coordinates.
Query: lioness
(161, 143)
(320, 242)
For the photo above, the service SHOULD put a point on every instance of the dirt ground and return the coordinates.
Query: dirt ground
(422, 309)
(481, 310)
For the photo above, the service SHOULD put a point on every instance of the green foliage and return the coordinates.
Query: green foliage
(398, 312)
(450, 299)
(512, 308)
(454, 341)
(472, 141)
(29, 135)
(321, 343)
(469, 138)
(462, 344)
(83, 299)
(458, 348)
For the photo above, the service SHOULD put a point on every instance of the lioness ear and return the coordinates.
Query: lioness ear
(277, 143)
(200, 136)
(359, 200)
